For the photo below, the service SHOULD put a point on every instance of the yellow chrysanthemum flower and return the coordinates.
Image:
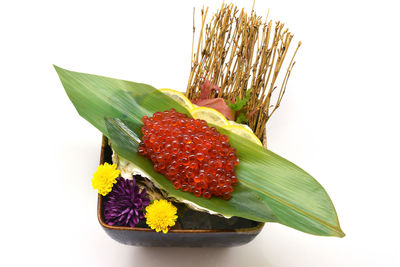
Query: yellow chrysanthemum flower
(161, 215)
(105, 177)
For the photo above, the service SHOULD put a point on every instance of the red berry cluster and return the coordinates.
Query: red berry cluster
(193, 156)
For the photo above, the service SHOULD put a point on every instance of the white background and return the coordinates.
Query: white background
(339, 121)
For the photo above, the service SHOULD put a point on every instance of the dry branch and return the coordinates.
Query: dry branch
(237, 52)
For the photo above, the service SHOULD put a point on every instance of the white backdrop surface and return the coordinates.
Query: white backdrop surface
(339, 121)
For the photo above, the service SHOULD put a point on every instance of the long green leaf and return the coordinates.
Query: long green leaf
(270, 188)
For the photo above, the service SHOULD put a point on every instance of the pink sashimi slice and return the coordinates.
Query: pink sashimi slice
(218, 104)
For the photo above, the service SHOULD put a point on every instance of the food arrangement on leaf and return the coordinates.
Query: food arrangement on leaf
(178, 166)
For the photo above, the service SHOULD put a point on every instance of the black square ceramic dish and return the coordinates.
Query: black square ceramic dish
(193, 229)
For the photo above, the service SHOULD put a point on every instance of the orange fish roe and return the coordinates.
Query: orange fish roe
(193, 156)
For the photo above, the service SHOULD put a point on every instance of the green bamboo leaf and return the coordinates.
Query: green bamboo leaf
(270, 188)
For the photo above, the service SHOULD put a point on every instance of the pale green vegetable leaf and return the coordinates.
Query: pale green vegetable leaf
(270, 189)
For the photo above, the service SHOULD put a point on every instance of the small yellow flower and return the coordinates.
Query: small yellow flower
(161, 215)
(105, 177)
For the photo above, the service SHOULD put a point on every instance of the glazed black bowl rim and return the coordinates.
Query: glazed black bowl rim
(141, 229)
(104, 143)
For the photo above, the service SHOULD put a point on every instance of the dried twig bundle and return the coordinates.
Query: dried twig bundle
(238, 52)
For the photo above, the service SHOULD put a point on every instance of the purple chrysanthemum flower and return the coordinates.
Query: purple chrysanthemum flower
(123, 206)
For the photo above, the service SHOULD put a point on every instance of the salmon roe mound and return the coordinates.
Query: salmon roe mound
(196, 158)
